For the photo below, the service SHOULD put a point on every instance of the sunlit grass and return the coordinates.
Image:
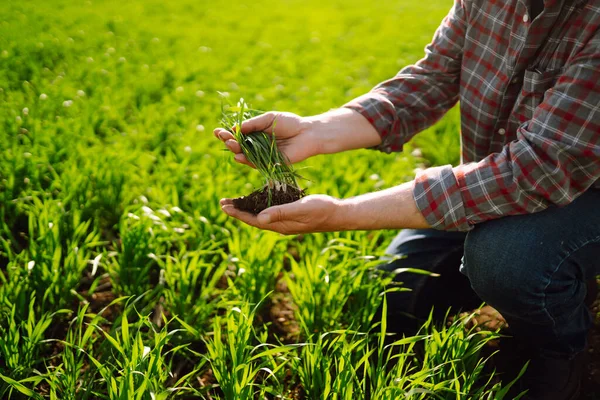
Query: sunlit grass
(121, 278)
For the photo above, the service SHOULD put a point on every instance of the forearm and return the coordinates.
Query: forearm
(340, 130)
(393, 208)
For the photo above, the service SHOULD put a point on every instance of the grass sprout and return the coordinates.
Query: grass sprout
(260, 148)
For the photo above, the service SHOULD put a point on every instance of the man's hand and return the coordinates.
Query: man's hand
(292, 134)
(393, 208)
(317, 213)
(302, 137)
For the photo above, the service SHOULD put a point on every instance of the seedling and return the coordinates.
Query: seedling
(260, 148)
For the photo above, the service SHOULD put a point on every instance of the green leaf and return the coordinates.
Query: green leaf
(125, 331)
(20, 387)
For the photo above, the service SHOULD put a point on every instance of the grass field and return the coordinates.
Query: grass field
(120, 278)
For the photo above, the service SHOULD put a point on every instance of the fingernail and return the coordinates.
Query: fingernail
(220, 135)
(238, 157)
(264, 218)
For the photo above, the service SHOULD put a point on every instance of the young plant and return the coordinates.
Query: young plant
(258, 262)
(71, 378)
(60, 247)
(329, 366)
(238, 365)
(20, 348)
(191, 287)
(137, 363)
(336, 288)
(260, 148)
(132, 269)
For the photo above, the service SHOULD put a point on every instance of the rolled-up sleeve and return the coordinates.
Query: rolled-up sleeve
(555, 158)
(419, 95)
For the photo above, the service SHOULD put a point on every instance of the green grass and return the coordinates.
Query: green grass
(119, 275)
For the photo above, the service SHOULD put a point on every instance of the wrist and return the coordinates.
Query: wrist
(341, 129)
(309, 128)
(320, 130)
(326, 130)
(346, 216)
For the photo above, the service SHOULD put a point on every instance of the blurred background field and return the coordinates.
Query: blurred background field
(119, 275)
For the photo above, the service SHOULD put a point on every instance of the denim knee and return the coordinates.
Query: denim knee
(533, 269)
(497, 261)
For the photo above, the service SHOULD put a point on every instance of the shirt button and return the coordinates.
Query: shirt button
(501, 131)
(515, 80)
(525, 18)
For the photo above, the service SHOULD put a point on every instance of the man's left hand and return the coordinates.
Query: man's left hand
(392, 208)
(315, 213)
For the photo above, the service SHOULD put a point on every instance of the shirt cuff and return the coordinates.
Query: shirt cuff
(438, 197)
(380, 113)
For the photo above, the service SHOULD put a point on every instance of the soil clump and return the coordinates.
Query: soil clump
(258, 200)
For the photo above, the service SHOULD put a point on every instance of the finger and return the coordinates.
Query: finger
(245, 217)
(224, 202)
(224, 135)
(218, 131)
(240, 158)
(286, 212)
(253, 220)
(272, 215)
(233, 146)
(260, 123)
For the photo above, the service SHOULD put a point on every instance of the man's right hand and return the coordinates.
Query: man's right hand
(302, 137)
(293, 135)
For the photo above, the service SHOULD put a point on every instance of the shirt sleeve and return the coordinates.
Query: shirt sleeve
(419, 95)
(555, 158)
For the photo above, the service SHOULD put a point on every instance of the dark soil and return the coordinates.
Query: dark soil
(282, 313)
(258, 200)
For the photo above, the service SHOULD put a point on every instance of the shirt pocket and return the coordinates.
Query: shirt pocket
(535, 86)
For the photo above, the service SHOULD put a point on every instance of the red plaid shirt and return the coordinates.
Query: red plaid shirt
(529, 96)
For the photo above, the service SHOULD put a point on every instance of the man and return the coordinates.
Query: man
(522, 208)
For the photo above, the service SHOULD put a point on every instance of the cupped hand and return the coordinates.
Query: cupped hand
(315, 213)
(292, 134)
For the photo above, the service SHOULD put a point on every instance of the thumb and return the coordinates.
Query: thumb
(271, 215)
(259, 123)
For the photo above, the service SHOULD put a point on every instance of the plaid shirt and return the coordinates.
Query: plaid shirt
(529, 94)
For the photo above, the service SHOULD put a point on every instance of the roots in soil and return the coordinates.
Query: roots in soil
(258, 200)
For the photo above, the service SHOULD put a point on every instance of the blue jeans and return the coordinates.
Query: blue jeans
(532, 268)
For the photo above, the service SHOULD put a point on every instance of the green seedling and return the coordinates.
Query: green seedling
(260, 149)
